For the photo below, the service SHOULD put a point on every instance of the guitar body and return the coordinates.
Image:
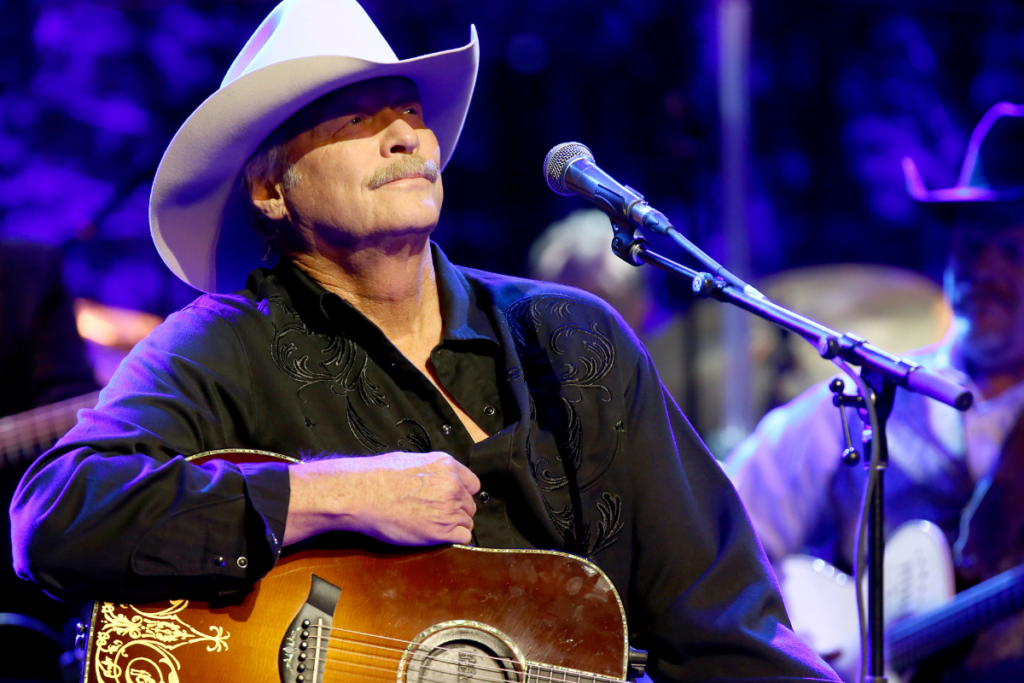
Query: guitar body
(451, 613)
(822, 601)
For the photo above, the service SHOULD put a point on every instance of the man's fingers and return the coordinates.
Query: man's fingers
(469, 507)
(415, 499)
(462, 535)
(468, 479)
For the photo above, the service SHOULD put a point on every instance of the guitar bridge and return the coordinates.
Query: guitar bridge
(306, 642)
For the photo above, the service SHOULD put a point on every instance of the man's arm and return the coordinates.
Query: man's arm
(399, 498)
(705, 603)
(115, 512)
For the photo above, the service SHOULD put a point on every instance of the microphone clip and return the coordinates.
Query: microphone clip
(625, 242)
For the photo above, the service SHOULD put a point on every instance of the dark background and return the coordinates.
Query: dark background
(91, 92)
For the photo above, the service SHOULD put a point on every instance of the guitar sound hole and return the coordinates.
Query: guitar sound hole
(462, 655)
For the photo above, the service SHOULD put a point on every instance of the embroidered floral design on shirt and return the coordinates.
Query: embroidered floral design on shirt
(337, 365)
(575, 357)
(583, 372)
(610, 507)
(416, 439)
(340, 366)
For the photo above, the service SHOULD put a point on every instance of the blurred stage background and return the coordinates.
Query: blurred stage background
(826, 97)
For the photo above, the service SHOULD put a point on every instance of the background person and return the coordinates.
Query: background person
(800, 497)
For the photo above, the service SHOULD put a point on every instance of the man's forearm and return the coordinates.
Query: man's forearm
(401, 498)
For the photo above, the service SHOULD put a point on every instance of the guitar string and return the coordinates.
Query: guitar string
(28, 434)
(539, 668)
(58, 418)
(507, 660)
(398, 659)
(402, 642)
(510, 662)
(515, 674)
(392, 672)
(349, 674)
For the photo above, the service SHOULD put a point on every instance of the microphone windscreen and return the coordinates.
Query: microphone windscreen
(558, 158)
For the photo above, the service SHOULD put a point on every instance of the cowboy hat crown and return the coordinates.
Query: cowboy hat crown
(200, 217)
(352, 33)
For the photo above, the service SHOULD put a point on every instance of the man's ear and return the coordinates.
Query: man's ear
(269, 200)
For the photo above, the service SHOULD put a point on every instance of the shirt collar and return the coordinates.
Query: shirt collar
(461, 311)
(462, 317)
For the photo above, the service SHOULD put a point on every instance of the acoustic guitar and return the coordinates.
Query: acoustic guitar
(25, 436)
(449, 614)
(923, 613)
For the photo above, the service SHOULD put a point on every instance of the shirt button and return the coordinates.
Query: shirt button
(489, 410)
(242, 563)
(484, 497)
(219, 562)
(446, 429)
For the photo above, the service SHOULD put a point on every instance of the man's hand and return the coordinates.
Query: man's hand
(400, 498)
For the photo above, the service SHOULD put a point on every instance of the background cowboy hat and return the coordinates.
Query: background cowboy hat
(992, 168)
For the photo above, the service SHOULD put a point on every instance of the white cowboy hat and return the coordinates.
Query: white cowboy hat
(199, 215)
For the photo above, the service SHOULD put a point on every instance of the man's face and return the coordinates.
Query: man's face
(366, 167)
(985, 285)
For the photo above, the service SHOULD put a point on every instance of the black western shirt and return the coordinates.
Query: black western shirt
(587, 453)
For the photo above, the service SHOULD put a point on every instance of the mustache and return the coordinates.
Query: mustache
(404, 167)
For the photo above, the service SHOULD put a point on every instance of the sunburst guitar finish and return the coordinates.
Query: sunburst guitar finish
(452, 614)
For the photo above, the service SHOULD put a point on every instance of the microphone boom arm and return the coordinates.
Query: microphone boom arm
(829, 343)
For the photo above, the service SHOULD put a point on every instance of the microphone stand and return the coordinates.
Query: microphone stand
(881, 373)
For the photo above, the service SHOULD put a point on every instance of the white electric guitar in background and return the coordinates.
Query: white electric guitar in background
(923, 613)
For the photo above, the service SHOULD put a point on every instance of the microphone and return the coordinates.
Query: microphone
(570, 169)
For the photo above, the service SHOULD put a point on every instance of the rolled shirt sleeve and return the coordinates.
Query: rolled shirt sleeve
(115, 511)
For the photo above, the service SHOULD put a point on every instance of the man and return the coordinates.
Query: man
(942, 463)
(485, 409)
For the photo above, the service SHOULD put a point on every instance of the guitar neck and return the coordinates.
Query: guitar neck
(976, 608)
(25, 436)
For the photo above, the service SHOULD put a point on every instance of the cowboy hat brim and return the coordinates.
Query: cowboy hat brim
(200, 218)
(967, 188)
(958, 193)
